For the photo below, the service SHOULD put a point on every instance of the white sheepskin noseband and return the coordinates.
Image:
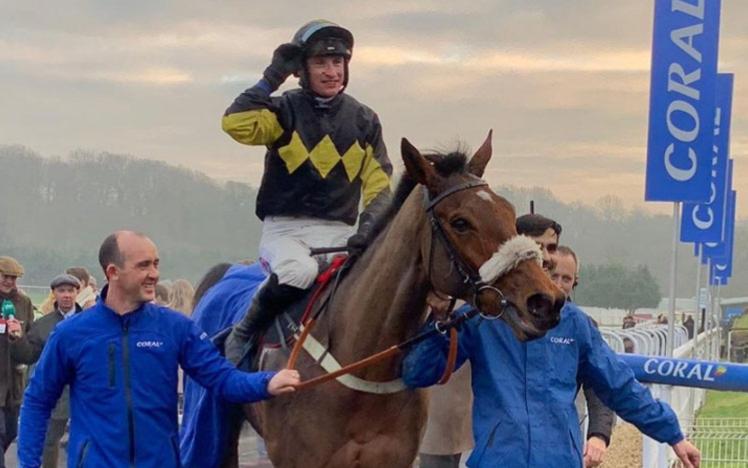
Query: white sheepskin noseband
(510, 254)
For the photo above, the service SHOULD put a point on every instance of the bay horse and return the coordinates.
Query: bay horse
(435, 238)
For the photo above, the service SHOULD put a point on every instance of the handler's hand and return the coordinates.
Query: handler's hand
(594, 451)
(689, 455)
(14, 329)
(285, 381)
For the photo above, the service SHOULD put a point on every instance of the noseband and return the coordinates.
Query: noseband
(509, 255)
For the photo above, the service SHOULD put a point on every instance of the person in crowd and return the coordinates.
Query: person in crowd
(180, 296)
(565, 274)
(120, 360)
(15, 320)
(65, 289)
(689, 324)
(163, 291)
(628, 345)
(629, 322)
(86, 296)
(94, 285)
(524, 392)
(325, 155)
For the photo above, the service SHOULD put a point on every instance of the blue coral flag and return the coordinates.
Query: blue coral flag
(682, 96)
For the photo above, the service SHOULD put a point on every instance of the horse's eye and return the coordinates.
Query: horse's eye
(460, 225)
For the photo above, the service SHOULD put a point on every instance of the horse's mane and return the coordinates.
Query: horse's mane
(446, 164)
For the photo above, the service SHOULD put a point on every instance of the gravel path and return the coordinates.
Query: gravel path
(625, 450)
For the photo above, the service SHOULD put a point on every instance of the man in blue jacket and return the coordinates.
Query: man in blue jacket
(120, 359)
(523, 411)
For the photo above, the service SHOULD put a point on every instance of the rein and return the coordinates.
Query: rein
(477, 281)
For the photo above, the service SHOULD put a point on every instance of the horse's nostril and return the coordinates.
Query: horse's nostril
(540, 304)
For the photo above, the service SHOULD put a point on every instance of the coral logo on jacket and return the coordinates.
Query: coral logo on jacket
(149, 344)
(563, 340)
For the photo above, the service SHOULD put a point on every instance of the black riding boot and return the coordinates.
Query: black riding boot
(266, 305)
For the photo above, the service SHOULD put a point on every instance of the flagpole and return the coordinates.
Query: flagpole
(673, 279)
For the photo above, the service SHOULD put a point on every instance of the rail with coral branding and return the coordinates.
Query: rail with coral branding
(688, 372)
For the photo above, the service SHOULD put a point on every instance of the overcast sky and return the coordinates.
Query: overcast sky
(564, 84)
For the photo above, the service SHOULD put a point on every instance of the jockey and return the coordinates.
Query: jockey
(325, 155)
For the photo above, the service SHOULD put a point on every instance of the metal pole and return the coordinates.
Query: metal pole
(697, 311)
(673, 279)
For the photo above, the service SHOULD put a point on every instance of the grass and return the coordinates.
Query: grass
(741, 322)
(725, 405)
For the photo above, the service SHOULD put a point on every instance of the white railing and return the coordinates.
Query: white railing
(651, 340)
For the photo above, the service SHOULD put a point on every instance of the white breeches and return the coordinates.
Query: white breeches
(285, 244)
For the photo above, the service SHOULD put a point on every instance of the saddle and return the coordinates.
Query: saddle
(281, 334)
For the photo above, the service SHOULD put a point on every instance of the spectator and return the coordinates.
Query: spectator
(65, 289)
(120, 361)
(629, 322)
(523, 407)
(180, 297)
(628, 345)
(689, 324)
(601, 419)
(94, 285)
(307, 201)
(13, 329)
(86, 297)
(162, 294)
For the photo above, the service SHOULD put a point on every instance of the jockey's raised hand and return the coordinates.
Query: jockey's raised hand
(286, 61)
(689, 456)
(285, 381)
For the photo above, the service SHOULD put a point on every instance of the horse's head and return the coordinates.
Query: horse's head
(474, 252)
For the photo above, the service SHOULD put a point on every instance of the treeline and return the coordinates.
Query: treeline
(55, 212)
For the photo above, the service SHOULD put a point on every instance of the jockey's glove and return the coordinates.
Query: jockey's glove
(287, 59)
(357, 243)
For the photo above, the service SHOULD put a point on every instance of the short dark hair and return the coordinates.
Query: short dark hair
(535, 225)
(81, 273)
(109, 252)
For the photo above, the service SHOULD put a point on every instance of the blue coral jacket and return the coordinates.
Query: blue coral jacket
(523, 410)
(122, 372)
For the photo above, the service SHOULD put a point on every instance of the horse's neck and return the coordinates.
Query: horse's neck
(383, 300)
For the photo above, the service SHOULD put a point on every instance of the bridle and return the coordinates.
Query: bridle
(468, 275)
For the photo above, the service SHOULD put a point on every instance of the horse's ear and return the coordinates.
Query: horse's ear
(480, 159)
(418, 168)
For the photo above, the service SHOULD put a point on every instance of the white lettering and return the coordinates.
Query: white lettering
(708, 371)
(687, 108)
(695, 371)
(648, 366)
(665, 368)
(683, 38)
(149, 344)
(680, 175)
(697, 11)
(679, 368)
(685, 80)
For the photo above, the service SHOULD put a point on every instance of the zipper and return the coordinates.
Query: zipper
(128, 390)
(111, 365)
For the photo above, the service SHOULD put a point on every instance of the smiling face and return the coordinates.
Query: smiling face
(7, 283)
(135, 280)
(326, 74)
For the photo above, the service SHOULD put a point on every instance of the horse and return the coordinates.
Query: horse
(437, 238)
